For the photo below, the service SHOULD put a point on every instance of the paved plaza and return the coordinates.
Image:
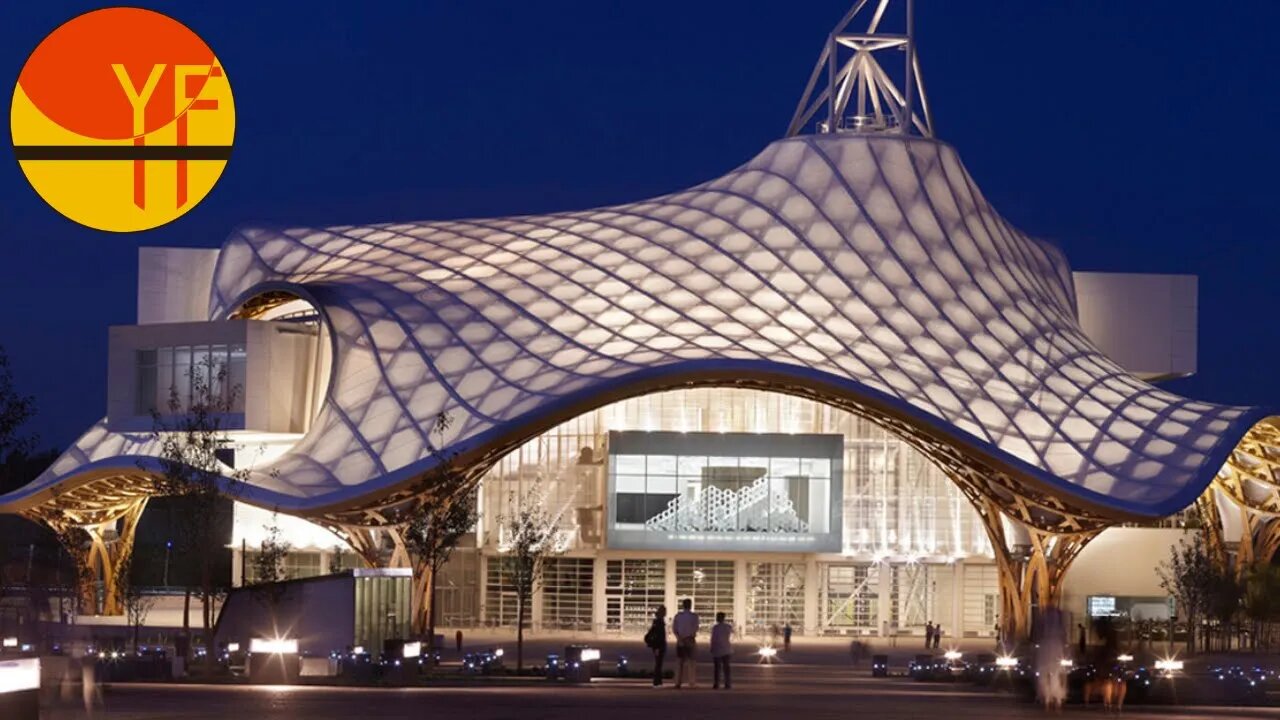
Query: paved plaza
(785, 691)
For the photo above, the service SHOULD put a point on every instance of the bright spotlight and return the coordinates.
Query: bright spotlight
(1124, 658)
(1005, 661)
(952, 654)
(1067, 662)
(273, 646)
(1169, 665)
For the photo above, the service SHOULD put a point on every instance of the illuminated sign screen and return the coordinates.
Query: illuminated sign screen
(725, 491)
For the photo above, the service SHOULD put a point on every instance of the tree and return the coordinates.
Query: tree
(434, 528)
(1189, 575)
(137, 604)
(191, 439)
(15, 411)
(268, 566)
(531, 537)
(1262, 602)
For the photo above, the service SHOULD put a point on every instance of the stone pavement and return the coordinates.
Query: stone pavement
(780, 692)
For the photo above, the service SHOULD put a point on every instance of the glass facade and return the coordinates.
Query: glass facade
(775, 597)
(891, 501)
(651, 485)
(849, 598)
(709, 583)
(383, 609)
(183, 370)
(724, 491)
(634, 588)
(566, 593)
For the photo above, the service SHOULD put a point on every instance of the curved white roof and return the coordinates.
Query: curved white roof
(868, 267)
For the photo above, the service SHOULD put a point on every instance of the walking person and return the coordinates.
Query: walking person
(721, 650)
(685, 627)
(786, 637)
(928, 635)
(656, 641)
(937, 635)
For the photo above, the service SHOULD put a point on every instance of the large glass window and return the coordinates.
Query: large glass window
(849, 597)
(729, 489)
(633, 591)
(500, 594)
(184, 374)
(566, 593)
(775, 597)
(709, 583)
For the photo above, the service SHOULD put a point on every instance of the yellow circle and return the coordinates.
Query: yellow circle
(122, 146)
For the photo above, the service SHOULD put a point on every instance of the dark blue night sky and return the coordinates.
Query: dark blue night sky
(1137, 135)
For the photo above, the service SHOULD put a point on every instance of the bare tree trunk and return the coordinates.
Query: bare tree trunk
(206, 581)
(430, 599)
(186, 622)
(520, 632)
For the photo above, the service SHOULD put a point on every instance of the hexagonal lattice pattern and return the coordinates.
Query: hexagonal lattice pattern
(868, 266)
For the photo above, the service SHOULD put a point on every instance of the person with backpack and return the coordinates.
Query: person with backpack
(656, 641)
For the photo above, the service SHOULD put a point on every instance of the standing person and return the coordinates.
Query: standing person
(928, 635)
(721, 650)
(685, 627)
(656, 640)
(937, 635)
(1084, 641)
(457, 638)
(786, 637)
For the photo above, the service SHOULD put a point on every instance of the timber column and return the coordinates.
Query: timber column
(101, 551)
(1032, 564)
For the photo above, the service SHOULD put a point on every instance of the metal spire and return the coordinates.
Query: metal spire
(860, 95)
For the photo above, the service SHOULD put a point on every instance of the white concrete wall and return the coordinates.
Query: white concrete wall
(1120, 561)
(174, 284)
(278, 375)
(1146, 323)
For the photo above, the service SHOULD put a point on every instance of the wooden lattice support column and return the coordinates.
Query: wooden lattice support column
(369, 543)
(1031, 563)
(101, 551)
(1266, 541)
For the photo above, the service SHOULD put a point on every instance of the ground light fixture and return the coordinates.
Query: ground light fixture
(1067, 662)
(1006, 662)
(1169, 665)
(589, 654)
(11, 642)
(412, 649)
(768, 654)
(952, 655)
(273, 646)
(1124, 658)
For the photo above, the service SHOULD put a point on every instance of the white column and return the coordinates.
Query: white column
(670, 578)
(482, 580)
(599, 606)
(739, 596)
(957, 599)
(885, 573)
(535, 608)
(811, 583)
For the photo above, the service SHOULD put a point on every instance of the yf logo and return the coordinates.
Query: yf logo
(122, 119)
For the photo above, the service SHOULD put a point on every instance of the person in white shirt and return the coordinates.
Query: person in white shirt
(721, 650)
(685, 627)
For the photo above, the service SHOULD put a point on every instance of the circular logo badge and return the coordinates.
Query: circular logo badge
(122, 119)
